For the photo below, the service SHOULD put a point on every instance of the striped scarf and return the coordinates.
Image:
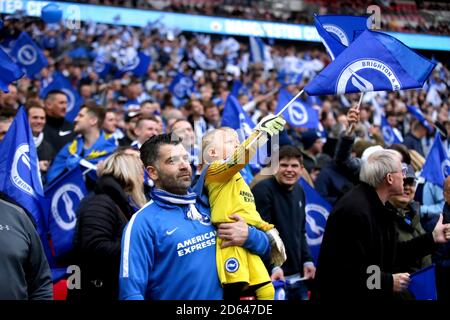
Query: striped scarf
(188, 200)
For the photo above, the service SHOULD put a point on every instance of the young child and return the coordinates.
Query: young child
(229, 194)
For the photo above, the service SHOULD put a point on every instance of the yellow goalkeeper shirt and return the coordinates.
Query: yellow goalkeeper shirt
(229, 194)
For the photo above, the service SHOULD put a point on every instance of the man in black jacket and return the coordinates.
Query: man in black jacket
(360, 245)
(280, 200)
(57, 131)
(24, 270)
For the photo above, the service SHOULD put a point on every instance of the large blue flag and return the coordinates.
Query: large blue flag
(317, 211)
(389, 134)
(300, 114)
(417, 113)
(19, 169)
(138, 65)
(373, 62)
(9, 71)
(437, 164)
(74, 100)
(423, 284)
(28, 55)
(338, 31)
(64, 195)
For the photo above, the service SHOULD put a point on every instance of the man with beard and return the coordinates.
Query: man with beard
(168, 247)
(183, 129)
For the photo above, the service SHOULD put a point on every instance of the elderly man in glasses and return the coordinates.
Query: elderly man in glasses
(407, 222)
(360, 248)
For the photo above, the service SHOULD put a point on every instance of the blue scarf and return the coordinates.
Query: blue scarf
(188, 201)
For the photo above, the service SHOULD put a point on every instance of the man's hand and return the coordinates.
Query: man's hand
(309, 271)
(353, 119)
(401, 281)
(353, 115)
(441, 233)
(233, 233)
(277, 274)
(271, 124)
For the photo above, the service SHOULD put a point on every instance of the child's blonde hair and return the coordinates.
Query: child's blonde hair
(209, 140)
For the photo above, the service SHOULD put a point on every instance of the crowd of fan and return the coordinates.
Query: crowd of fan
(138, 108)
(393, 16)
(126, 96)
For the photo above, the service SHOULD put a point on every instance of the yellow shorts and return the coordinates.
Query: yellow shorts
(237, 264)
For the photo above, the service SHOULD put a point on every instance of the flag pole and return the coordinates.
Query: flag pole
(278, 114)
(289, 103)
(360, 100)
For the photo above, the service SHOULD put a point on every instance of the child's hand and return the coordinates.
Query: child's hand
(277, 251)
(271, 124)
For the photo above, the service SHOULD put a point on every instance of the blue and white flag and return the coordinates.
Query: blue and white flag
(64, 195)
(317, 211)
(28, 55)
(437, 164)
(314, 100)
(390, 135)
(9, 71)
(138, 65)
(373, 62)
(74, 100)
(417, 113)
(300, 114)
(258, 51)
(289, 78)
(101, 66)
(19, 169)
(75, 153)
(423, 284)
(234, 116)
(181, 87)
(338, 31)
(238, 88)
(202, 60)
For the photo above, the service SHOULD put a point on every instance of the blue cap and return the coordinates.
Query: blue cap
(310, 137)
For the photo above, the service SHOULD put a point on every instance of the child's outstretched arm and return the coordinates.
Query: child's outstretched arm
(224, 170)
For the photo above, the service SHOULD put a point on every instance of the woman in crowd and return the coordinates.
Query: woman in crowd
(102, 217)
